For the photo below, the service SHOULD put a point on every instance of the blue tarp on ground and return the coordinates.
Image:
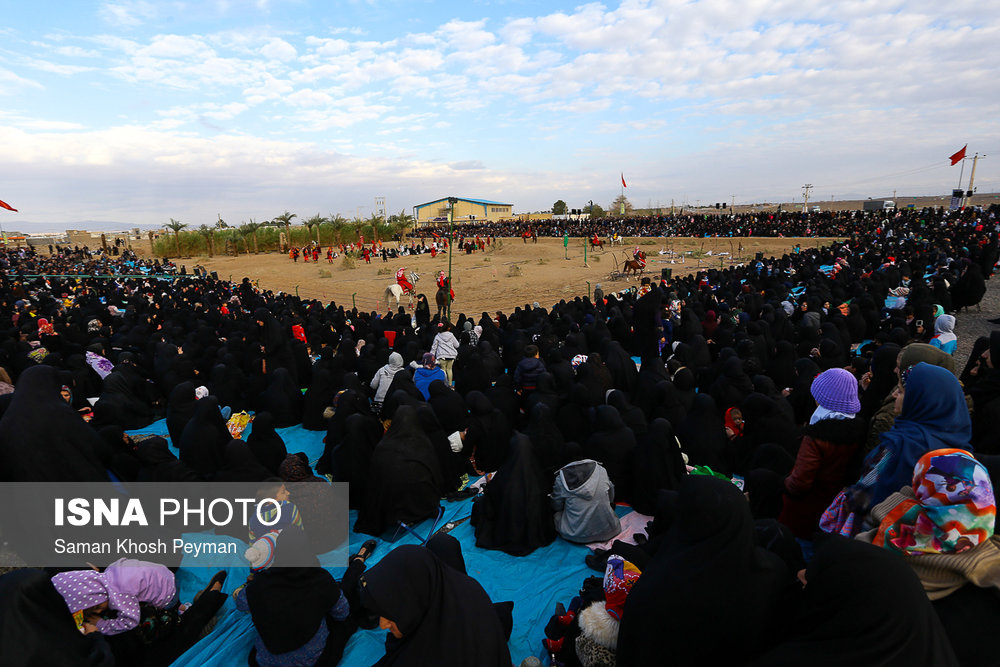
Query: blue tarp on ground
(535, 583)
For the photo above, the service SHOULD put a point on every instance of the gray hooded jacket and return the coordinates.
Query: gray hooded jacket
(582, 497)
(383, 377)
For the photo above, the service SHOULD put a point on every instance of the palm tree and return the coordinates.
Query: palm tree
(254, 228)
(337, 221)
(285, 220)
(176, 226)
(358, 223)
(246, 230)
(314, 221)
(400, 223)
(374, 220)
(209, 234)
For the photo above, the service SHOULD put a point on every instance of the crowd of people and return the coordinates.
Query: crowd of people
(814, 462)
(789, 223)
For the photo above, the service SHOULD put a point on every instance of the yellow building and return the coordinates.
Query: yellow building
(466, 210)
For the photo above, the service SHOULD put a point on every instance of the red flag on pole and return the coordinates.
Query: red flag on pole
(625, 186)
(959, 156)
(7, 206)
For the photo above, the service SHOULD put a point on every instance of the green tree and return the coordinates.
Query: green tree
(221, 224)
(285, 220)
(621, 204)
(596, 211)
(176, 226)
(246, 230)
(337, 221)
(314, 222)
(559, 208)
(209, 234)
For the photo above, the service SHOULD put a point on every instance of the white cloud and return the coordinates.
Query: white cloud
(278, 49)
(128, 14)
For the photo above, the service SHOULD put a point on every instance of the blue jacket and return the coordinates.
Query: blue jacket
(422, 377)
(527, 372)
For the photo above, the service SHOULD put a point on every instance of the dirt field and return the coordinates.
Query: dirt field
(510, 275)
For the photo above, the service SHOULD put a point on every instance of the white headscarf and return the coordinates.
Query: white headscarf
(821, 413)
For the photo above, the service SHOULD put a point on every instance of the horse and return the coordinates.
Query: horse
(636, 266)
(599, 244)
(443, 299)
(617, 240)
(396, 291)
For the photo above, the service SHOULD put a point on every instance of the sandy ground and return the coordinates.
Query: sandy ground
(512, 274)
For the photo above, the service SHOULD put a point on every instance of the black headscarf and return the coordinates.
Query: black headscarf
(448, 406)
(265, 443)
(546, 438)
(287, 604)
(658, 464)
(703, 435)
(404, 478)
(204, 438)
(36, 627)
(707, 556)
(514, 513)
(489, 433)
(180, 408)
(883, 370)
(862, 606)
(43, 439)
(282, 399)
(158, 463)
(446, 617)
(612, 444)
(317, 398)
(240, 465)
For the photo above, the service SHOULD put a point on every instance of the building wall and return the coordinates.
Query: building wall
(464, 209)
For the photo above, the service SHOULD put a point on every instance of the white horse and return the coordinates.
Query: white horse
(395, 291)
(617, 240)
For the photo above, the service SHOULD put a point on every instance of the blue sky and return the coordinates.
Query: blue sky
(138, 111)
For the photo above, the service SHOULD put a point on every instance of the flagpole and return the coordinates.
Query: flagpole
(961, 172)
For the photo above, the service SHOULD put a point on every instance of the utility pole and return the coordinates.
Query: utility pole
(805, 196)
(972, 176)
(451, 246)
(732, 205)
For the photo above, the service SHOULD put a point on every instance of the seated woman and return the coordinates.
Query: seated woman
(707, 553)
(861, 606)
(932, 415)
(943, 526)
(37, 629)
(404, 477)
(436, 615)
(301, 614)
(583, 498)
(514, 513)
(826, 453)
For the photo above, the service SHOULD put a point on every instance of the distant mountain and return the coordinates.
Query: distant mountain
(12, 224)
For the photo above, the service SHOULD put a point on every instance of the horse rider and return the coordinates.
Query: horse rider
(402, 281)
(596, 241)
(639, 256)
(442, 282)
(614, 238)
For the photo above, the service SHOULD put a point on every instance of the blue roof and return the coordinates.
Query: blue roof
(468, 199)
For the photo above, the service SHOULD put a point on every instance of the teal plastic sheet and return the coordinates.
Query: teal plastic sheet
(535, 582)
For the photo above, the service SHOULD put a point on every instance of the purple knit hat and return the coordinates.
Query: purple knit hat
(837, 390)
